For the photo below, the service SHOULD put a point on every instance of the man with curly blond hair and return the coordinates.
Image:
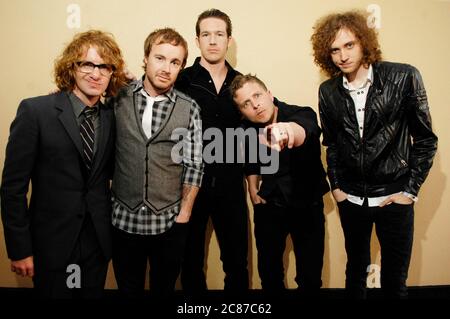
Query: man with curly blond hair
(380, 146)
(63, 143)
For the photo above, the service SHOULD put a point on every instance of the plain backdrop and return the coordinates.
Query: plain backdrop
(271, 40)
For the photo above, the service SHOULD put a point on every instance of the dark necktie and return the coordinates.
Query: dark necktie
(88, 135)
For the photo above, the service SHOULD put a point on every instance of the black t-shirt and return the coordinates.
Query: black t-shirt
(219, 115)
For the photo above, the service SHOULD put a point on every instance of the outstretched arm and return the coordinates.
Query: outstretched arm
(283, 134)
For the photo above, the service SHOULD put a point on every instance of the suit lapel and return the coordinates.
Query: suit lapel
(68, 120)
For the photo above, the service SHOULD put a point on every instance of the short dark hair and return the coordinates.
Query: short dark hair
(326, 29)
(214, 13)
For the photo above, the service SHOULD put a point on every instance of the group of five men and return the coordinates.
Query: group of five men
(376, 127)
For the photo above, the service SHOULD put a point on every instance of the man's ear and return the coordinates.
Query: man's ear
(230, 41)
(239, 111)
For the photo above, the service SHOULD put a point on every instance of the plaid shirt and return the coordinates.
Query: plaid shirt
(144, 221)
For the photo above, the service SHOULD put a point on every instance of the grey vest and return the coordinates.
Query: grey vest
(144, 172)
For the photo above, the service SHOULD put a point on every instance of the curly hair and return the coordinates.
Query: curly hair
(326, 29)
(107, 48)
(165, 35)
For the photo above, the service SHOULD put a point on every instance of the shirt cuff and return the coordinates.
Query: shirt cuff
(414, 198)
(193, 176)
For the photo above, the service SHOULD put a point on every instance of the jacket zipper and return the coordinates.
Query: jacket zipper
(362, 144)
(391, 134)
(395, 151)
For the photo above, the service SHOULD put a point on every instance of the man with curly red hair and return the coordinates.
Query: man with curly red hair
(380, 146)
(63, 143)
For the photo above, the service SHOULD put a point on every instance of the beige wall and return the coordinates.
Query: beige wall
(272, 40)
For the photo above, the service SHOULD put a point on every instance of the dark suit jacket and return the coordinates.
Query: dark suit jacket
(45, 147)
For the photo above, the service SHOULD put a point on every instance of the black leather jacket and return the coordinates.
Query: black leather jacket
(398, 144)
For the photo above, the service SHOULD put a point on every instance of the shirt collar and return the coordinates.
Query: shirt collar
(77, 105)
(368, 81)
(199, 69)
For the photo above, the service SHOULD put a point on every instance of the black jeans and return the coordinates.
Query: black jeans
(306, 225)
(164, 252)
(394, 225)
(226, 204)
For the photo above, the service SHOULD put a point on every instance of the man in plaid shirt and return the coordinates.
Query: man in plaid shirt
(154, 186)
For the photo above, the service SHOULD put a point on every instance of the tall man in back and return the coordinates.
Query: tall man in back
(222, 196)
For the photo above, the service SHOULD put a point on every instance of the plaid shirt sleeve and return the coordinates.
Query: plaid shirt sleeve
(193, 149)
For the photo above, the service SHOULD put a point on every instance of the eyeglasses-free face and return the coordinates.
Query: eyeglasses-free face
(89, 67)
